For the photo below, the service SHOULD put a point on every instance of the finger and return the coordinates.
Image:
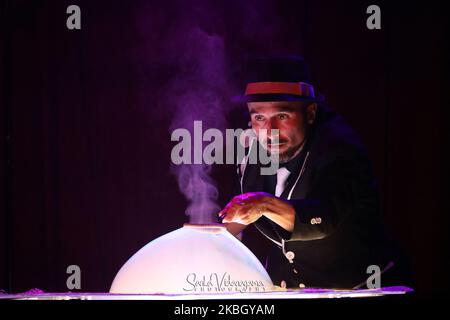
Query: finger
(236, 200)
(249, 214)
(222, 216)
(232, 214)
(227, 207)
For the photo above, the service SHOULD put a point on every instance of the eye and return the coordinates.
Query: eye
(282, 116)
(258, 117)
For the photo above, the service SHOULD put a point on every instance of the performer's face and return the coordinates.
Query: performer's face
(290, 118)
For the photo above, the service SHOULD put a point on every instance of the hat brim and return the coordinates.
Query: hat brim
(275, 97)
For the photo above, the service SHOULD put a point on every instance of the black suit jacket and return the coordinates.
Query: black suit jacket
(337, 231)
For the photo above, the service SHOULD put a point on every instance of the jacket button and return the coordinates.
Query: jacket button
(290, 255)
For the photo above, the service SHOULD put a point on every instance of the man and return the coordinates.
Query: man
(320, 210)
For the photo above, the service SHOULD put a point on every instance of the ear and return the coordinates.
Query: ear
(311, 110)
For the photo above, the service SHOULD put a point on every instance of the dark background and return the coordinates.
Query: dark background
(85, 128)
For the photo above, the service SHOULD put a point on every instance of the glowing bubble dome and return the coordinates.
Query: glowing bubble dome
(195, 259)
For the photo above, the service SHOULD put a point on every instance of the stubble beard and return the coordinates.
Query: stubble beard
(287, 155)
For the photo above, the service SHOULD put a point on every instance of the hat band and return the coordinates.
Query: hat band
(295, 88)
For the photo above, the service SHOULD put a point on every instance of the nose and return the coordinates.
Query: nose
(270, 126)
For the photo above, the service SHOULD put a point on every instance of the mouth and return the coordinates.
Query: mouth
(276, 146)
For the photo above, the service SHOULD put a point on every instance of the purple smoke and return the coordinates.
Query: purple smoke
(197, 94)
(180, 57)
